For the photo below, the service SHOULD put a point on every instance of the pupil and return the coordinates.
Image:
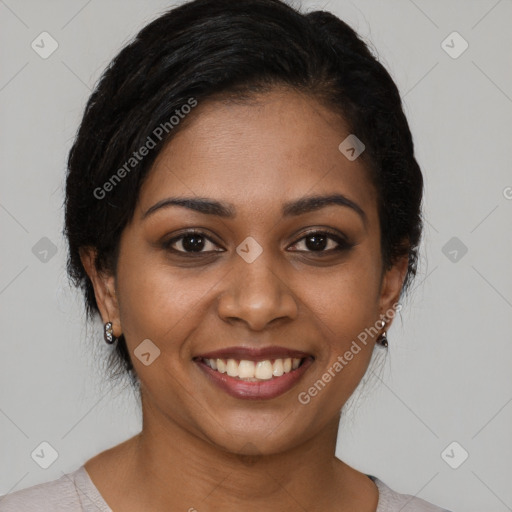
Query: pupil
(196, 243)
(319, 242)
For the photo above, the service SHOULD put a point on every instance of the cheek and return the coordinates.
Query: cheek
(157, 303)
(348, 296)
(344, 305)
(342, 317)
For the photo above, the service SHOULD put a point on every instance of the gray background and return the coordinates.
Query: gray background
(448, 373)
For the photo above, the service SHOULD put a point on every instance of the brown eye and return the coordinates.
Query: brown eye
(322, 241)
(191, 242)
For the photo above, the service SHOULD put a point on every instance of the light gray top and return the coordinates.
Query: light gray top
(75, 492)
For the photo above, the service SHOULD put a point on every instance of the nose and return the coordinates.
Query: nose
(256, 295)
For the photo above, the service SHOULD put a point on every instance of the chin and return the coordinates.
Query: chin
(253, 438)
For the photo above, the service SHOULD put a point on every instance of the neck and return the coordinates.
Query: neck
(190, 472)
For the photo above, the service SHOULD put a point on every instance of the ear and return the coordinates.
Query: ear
(104, 290)
(391, 286)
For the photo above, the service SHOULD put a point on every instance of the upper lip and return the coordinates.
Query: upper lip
(254, 354)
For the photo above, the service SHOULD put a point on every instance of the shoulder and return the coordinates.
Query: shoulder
(54, 495)
(71, 493)
(390, 500)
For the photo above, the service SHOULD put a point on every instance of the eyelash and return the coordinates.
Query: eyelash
(343, 245)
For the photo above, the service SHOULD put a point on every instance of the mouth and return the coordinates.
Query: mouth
(254, 374)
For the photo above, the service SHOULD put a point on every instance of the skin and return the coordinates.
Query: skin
(200, 448)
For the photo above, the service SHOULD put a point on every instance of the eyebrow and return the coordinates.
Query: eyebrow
(226, 210)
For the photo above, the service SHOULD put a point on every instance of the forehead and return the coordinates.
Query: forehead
(278, 146)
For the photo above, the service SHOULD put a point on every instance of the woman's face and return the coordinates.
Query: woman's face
(254, 279)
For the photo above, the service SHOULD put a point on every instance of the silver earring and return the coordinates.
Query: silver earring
(383, 339)
(108, 333)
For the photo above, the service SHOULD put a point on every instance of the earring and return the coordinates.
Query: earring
(383, 340)
(108, 333)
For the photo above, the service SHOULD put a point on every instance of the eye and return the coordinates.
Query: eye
(318, 241)
(191, 242)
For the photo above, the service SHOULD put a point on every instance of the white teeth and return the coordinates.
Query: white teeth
(246, 369)
(251, 370)
(232, 368)
(263, 370)
(221, 365)
(278, 369)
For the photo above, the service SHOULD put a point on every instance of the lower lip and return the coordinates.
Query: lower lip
(262, 390)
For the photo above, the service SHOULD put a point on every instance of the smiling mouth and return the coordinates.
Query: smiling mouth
(254, 371)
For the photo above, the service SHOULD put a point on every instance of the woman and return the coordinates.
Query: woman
(243, 210)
